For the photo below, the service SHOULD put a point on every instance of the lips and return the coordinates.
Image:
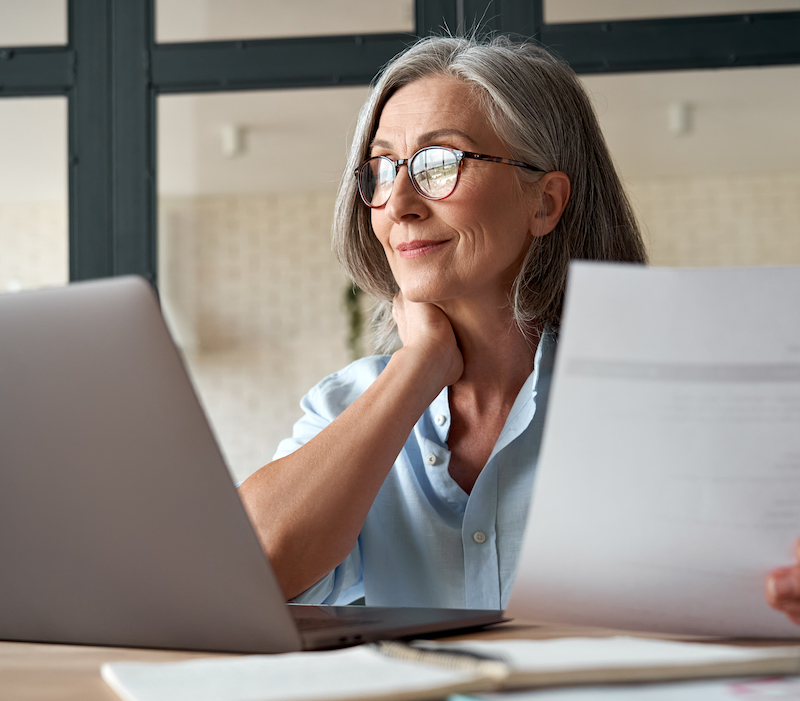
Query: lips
(420, 247)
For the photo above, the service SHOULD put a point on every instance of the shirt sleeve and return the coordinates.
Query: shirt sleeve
(321, 406)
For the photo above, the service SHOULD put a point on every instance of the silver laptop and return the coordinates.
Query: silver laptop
(119, 521)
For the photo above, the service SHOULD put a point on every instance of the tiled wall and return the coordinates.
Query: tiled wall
(255, 297)
(33, 245)
(720, 221)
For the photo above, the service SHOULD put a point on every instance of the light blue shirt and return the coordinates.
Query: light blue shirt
(425, 541)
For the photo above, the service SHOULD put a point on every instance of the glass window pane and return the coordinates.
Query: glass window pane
(556, 11)
(33, 193)
(711, 159)
(249, 284)
(33, 22)
(202, 20)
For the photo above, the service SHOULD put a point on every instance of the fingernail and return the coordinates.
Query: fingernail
(781, 587)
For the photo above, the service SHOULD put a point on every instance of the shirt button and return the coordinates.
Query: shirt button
(431, 459)
(479, 537)
(440, 420)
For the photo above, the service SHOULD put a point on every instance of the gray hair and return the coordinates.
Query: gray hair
(542, 114)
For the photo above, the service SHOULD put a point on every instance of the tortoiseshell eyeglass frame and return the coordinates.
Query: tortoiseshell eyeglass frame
(459, 157)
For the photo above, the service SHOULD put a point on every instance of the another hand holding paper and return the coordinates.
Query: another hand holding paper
(783, 588)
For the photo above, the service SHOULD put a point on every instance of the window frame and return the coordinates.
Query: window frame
(112, 71)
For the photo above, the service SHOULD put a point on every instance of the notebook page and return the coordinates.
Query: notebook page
(714, 690)
(618, 652)
(669, 480)
(353, 673)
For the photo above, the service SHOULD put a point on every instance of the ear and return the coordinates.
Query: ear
(554, 189)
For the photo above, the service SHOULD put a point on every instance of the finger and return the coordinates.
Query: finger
(789, 606)
(791, 610)
(783, 587)
(794, 618)
(797, 550)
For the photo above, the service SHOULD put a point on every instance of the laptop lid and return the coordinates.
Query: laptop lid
(119, 522)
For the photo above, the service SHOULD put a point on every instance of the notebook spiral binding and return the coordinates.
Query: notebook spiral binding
(482, 665)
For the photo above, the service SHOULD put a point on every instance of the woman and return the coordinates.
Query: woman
(480, 171)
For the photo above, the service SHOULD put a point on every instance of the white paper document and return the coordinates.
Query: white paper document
(669, 480)
(760, 689)
(338, 675)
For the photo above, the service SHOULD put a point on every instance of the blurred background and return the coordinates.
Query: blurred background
(247, 182)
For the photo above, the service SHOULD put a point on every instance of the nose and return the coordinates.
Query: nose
(405, 203)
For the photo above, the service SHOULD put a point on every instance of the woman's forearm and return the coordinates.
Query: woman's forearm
(308, 508)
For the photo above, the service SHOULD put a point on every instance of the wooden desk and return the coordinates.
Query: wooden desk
(38, 672)
(34, 672)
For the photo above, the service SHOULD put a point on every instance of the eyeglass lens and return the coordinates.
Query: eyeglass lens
(434, 172)
(376, 180)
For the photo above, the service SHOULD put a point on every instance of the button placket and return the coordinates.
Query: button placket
(435, 460)
(479, 539)
(439, 415)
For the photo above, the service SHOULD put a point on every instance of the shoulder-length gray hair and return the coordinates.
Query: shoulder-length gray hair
(542, 114)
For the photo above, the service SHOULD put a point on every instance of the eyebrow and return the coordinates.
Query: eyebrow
(428, 137)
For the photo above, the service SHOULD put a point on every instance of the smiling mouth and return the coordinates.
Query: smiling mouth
(415, 249)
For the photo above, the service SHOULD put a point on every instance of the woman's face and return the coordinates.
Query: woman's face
(469, 246)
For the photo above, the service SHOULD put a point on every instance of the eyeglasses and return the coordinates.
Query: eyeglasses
(434, 173)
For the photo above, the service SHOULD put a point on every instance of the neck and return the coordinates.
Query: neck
(498, 358)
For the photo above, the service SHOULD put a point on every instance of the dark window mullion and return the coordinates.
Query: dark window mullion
(263, 64)
(133, 138)
(437, 16)
(522, 18)
(721, 41)
(36, 70)
(503, 16)
(112, 210)
(91, 224)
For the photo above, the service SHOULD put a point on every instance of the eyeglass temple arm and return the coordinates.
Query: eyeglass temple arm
(497, 159)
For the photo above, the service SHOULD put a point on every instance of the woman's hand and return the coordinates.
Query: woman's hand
(783, 588)
(426, 328)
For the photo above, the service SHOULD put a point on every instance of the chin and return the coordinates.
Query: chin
(429, 289)
(422, 296)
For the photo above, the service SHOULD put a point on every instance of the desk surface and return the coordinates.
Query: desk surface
(31, 671)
